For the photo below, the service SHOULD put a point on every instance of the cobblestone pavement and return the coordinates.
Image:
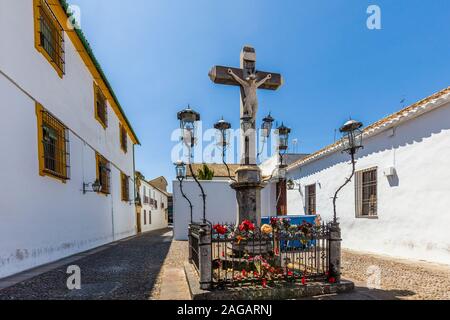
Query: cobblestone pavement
(173, 270)
(400, 279)
(127, 270)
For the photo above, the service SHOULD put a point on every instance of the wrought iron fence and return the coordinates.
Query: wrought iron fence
(247, 255)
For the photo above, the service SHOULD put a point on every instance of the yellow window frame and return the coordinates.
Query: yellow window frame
(123, 138)
(97, 92)
(62, 157)
(39, 5)
(105, 181)
(125, 187)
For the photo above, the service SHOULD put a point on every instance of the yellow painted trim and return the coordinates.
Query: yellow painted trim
(42, 171)
(60, 14)
(37, 43)
(104, 125)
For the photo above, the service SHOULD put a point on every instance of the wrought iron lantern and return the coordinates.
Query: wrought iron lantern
(290, 184)
(188, 118)
(180, 168)
(96, 186)
(267, 126)
(352, 136)
(283, 137)
(223, 126)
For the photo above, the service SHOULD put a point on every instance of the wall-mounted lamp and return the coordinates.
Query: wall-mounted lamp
(96, 186)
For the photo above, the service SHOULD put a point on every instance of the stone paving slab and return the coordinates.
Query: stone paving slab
(174, 285)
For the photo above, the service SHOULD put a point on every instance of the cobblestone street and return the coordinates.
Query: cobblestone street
(125, 270)
(400, 279)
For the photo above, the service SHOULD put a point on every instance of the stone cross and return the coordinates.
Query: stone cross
(249, 80)
(248, 182)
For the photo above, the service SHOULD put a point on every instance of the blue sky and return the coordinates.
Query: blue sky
(157, 54)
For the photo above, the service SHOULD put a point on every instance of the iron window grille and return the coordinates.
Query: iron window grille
(125, 187)
(145, 217)
(101, 108)
(123, 139)
(104, 174)
(51, 35)
(366, 193)
(55, 143)
(310, 192)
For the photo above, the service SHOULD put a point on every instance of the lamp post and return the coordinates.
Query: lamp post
(180, 169)
(188, 119)
(223, 126)
(351, 143)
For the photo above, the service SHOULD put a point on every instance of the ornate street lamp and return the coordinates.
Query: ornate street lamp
(180, 169)
(290, 185)
(283, 137)
(188, 119)
(223, 126)
(351, 143)
(266, 130)
(267, 126)
(96, 187)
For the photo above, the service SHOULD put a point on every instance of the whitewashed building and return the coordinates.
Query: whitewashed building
(62, 130)
(398, 204)
(153, 214)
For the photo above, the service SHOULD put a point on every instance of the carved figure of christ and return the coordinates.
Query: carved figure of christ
(250, 86)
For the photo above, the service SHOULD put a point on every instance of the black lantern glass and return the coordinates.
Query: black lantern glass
(351, 136)
(188, 118)
(180, 168)
(283, 137)
(290, 185)
(222, 126)
(267, 126)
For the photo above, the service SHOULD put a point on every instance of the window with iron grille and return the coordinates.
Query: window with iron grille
(125, 187)
(101, 108)
(123, 139)
(145, 217)
(366, 193)
(104, 174)
(149, 217)
(310, 193)
(54, 158)
(49, 35)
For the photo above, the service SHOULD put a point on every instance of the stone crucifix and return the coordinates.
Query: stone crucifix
(249, 80)
(248, 182)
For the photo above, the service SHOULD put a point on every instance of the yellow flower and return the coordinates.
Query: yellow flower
(266, 229)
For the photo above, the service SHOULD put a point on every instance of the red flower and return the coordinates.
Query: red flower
(264, 283)
(274, 222)
(290, 273)
(332, 280)
(220, 229)
(244, 273)
(303, 281)
(256, 274)
(277, 251)
(247, 225)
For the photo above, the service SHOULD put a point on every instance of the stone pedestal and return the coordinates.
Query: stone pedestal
(335, 251)
(248, 192)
